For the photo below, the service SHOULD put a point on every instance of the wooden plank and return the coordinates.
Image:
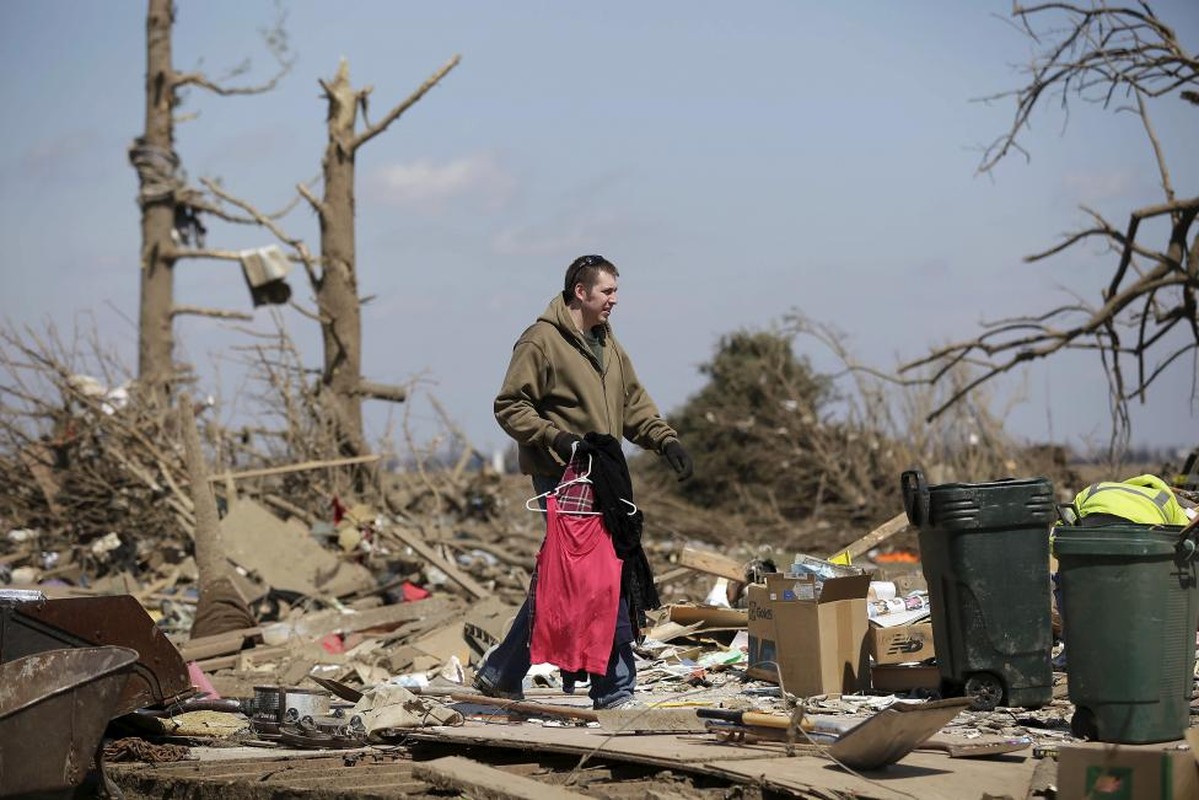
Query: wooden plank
(218, 644)
(429, 554)
(321, 623)
(301, 467)
(221, 662)
(896, 524)
(481, 781)
(712, 563)
(668, 751)
(655, 720)
(671, 576)
(929, 776)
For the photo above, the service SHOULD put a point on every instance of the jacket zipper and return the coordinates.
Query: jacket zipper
(603, 383)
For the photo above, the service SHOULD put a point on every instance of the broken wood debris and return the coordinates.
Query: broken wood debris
(480, 780)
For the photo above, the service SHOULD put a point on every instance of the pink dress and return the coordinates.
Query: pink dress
(578, 593)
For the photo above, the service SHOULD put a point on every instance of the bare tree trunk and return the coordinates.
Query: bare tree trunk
(337, 293)
(154, 157)
(170, 209)
(337, 286)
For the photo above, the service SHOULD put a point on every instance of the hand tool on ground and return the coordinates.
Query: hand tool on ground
(527, 708)
(633, 720)
(881, 739)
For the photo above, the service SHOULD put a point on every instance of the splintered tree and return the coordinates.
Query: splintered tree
(1145, 320)
(334, 274)
(336, 285)
(170, 208)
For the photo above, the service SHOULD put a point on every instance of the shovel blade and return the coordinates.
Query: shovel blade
(894, 732)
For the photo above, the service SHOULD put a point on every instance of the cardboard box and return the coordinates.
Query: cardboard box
(901, 644)
(907, 578)
(905, 677)
(1127, 772)
(818, 640)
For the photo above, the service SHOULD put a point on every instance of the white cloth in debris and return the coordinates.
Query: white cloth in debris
(388, 707)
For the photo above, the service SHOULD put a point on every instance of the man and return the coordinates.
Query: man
(569, 377)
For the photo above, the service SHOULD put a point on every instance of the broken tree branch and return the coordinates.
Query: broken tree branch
(216, 313)
(374, 130)
(382, 391)
(1093, 53)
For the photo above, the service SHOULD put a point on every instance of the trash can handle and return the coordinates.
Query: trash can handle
(915, 496)
(1185, 547)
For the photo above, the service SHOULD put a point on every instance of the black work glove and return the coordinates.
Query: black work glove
(678, 459)
(562, 445)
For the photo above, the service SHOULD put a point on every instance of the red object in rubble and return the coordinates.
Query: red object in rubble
(413, 592)
(339, 511)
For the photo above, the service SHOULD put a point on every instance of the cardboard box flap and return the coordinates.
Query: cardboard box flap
(803, 587)
(850, 587)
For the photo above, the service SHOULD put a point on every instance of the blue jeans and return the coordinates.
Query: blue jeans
(507, 665)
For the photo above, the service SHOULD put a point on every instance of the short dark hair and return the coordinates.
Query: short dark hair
(585, 270)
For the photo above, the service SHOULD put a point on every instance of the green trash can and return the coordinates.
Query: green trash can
(984, 549)
(1129, 612)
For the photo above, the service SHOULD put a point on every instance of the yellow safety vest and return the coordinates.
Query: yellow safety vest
(1145, 499)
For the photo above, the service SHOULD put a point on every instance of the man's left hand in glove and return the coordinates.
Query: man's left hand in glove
(678, 459)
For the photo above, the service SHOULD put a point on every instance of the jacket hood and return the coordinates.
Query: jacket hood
(557, 313)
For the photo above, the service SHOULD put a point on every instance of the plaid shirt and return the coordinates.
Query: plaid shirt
(578, 496)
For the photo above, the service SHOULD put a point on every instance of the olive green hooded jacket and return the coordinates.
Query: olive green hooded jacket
(555, 384)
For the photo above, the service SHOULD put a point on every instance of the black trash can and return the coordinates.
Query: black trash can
(984, 548)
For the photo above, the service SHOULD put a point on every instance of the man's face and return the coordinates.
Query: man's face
(597, 304)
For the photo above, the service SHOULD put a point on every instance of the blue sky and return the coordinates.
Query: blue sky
(736, 161)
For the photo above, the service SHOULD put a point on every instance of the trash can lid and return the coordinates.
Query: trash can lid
(1002, 483)
(1117, 540)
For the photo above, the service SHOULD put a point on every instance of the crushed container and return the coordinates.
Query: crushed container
(984, 549)
(1130, 610)
(54, 707)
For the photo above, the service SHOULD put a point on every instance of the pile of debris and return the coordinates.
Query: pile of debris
(382, 673)
(367, 600)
